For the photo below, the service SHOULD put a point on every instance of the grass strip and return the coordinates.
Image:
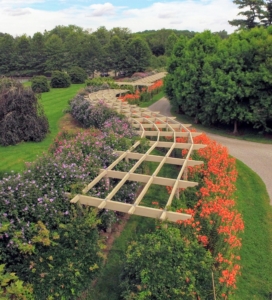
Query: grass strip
(256, 253)
(153, 100)
(54, 102)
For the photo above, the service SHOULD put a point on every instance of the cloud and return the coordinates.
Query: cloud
(17, 12)
(99, 10)
(167, 15)
(20, 2)
(182, 15)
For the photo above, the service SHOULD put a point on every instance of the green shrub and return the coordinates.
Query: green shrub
(166, 265)
(13, 288)
(77, 75)
(39, 84)
(60, 80)
(21, 115)
(100, 81)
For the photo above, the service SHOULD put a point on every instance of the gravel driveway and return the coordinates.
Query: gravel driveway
(255, 155)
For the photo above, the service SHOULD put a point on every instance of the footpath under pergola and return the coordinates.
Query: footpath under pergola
(162, 132)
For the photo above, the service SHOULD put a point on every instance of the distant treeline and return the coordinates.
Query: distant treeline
(102, 50)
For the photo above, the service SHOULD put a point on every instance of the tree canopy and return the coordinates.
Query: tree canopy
(223, 81)
(256, 13)
(65, 47)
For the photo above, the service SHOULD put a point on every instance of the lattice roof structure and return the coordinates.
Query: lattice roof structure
(146, 81)
(147, 124)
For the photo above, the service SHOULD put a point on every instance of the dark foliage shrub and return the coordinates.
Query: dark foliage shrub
(39, 84)
(77, 75)
(21, 115)
(60, 80)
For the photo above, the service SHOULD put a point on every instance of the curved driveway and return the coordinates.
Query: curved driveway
(255, 155)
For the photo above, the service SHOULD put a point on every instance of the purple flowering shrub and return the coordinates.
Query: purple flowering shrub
(46, 241)
(88, 114)
(118, 126)
(42, 235)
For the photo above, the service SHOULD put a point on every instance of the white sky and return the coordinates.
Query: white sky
(30, 16)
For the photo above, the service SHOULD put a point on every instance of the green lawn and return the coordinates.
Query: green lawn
(256, 252)
(54, 102)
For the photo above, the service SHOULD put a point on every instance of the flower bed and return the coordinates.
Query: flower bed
(215, 222)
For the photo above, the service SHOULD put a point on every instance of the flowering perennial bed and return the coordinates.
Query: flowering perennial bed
(215, 222)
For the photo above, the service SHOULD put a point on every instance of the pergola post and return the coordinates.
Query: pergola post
(185, 174)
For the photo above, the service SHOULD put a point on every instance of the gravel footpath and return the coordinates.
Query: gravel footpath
(255, 155)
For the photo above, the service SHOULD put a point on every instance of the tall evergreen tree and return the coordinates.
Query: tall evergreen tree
(253, 13)
(266, 17)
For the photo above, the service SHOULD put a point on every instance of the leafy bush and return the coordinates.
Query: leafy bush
(13, 288)
(60, 80)
(39, 84)
(77, 75)
(166, 265)
(21, 115)
(101, 81)
(158, 62)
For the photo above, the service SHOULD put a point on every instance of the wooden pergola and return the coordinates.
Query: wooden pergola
(159, 127)
(146, 81)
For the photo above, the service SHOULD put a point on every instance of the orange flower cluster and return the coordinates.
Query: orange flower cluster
(156, 85)
(215, 221)
(229, 277)
(130, 97)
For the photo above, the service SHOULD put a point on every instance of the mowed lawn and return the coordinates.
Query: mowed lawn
(54, 102)
(256, 253)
